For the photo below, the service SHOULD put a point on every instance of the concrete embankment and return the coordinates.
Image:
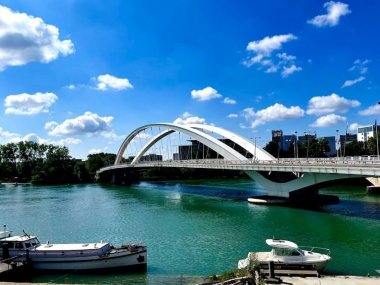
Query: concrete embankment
(331, 280)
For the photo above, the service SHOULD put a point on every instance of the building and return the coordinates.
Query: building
(366, 132)
(276, 136)
(307, 137)
(332, 145)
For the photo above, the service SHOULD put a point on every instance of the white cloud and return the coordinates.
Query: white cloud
(88, 123)
(286, 71)
(360, 65)
(372, 110)
(50, 125)
(262, 55)
(229, 101)
(349, 83)
(27, 104)
(286, 57)
(205, 94)
(71, 87)
(354, 127)
(232, 116)
(276, 112)
(188, 118)
(328, 120)
(106, 82)
(335, 10)
(24, 39)
(264, 47)
(320, 105)
(15, 138)
(95, 151)
(6, 135)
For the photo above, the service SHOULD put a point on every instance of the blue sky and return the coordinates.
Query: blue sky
(85, 73)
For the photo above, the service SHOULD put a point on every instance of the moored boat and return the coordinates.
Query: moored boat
(75, 256)
(288, 255)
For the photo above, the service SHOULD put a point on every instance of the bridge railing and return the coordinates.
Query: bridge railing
(286, 161)
(367, 161)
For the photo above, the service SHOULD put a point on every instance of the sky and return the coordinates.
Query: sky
(86, 73)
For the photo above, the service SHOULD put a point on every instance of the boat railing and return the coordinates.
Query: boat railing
(315, 249)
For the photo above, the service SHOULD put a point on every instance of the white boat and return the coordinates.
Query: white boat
(288, 255)
(76, 256)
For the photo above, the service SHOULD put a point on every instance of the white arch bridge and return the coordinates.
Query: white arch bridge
(210, 147)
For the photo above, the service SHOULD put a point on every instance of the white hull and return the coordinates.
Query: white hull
(111, 261)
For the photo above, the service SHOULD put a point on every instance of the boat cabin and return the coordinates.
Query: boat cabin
(16, 245)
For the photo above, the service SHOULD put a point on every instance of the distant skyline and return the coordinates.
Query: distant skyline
(85, 73)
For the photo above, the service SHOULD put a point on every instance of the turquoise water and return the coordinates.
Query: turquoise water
(192, 229)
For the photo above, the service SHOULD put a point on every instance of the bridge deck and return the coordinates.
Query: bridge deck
(361, 167)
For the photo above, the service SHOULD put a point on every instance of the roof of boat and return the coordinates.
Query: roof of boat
(280, 243)
(4, 234)
(19, 238)
(70, 246)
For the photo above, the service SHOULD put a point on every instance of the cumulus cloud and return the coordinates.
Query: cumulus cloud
(24, 39)
(95, 151)
(286, 71)
(205, 94)
(264, 47)
(106, 82)
(29, 104)
(229, 101)
(335, 10)
(262, 51)
(360, 66)
(372, 110)
(354, 127)
(88, 123)
(276, 112)
(187, 118)
(328, 120)
(320, 105)
(6, 134)
(232, 116)
(349, 83)
(15, 138)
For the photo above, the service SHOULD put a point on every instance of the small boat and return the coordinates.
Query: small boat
(288, 255)
(75, 256)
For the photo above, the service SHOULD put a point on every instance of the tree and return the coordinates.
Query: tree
(98, 160)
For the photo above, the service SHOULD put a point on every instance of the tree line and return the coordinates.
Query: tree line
(28, 161)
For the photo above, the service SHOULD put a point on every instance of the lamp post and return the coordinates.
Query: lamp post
(337, 143)
(307, 134)
(296, 145)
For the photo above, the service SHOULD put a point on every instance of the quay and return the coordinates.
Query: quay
(287, 280)
(330, 280)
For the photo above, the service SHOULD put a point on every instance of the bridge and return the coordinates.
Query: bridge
(211, 147)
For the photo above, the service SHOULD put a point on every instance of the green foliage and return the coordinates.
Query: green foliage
(249, 271)
(28, 161)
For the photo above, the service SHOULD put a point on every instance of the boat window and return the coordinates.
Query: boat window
(286, 252)
(27, 245)
(11, 244)
(19, 245)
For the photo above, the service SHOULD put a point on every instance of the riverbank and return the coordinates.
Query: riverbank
(331, 280)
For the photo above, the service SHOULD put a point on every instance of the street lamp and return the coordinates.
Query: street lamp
(307, 134)
(337, 143)
(296, 145)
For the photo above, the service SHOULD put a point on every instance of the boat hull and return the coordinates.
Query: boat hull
(112, 261)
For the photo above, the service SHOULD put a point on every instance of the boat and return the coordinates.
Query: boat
(288, 255)
(75, 256)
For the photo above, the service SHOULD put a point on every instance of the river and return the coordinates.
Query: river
(192, 228)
